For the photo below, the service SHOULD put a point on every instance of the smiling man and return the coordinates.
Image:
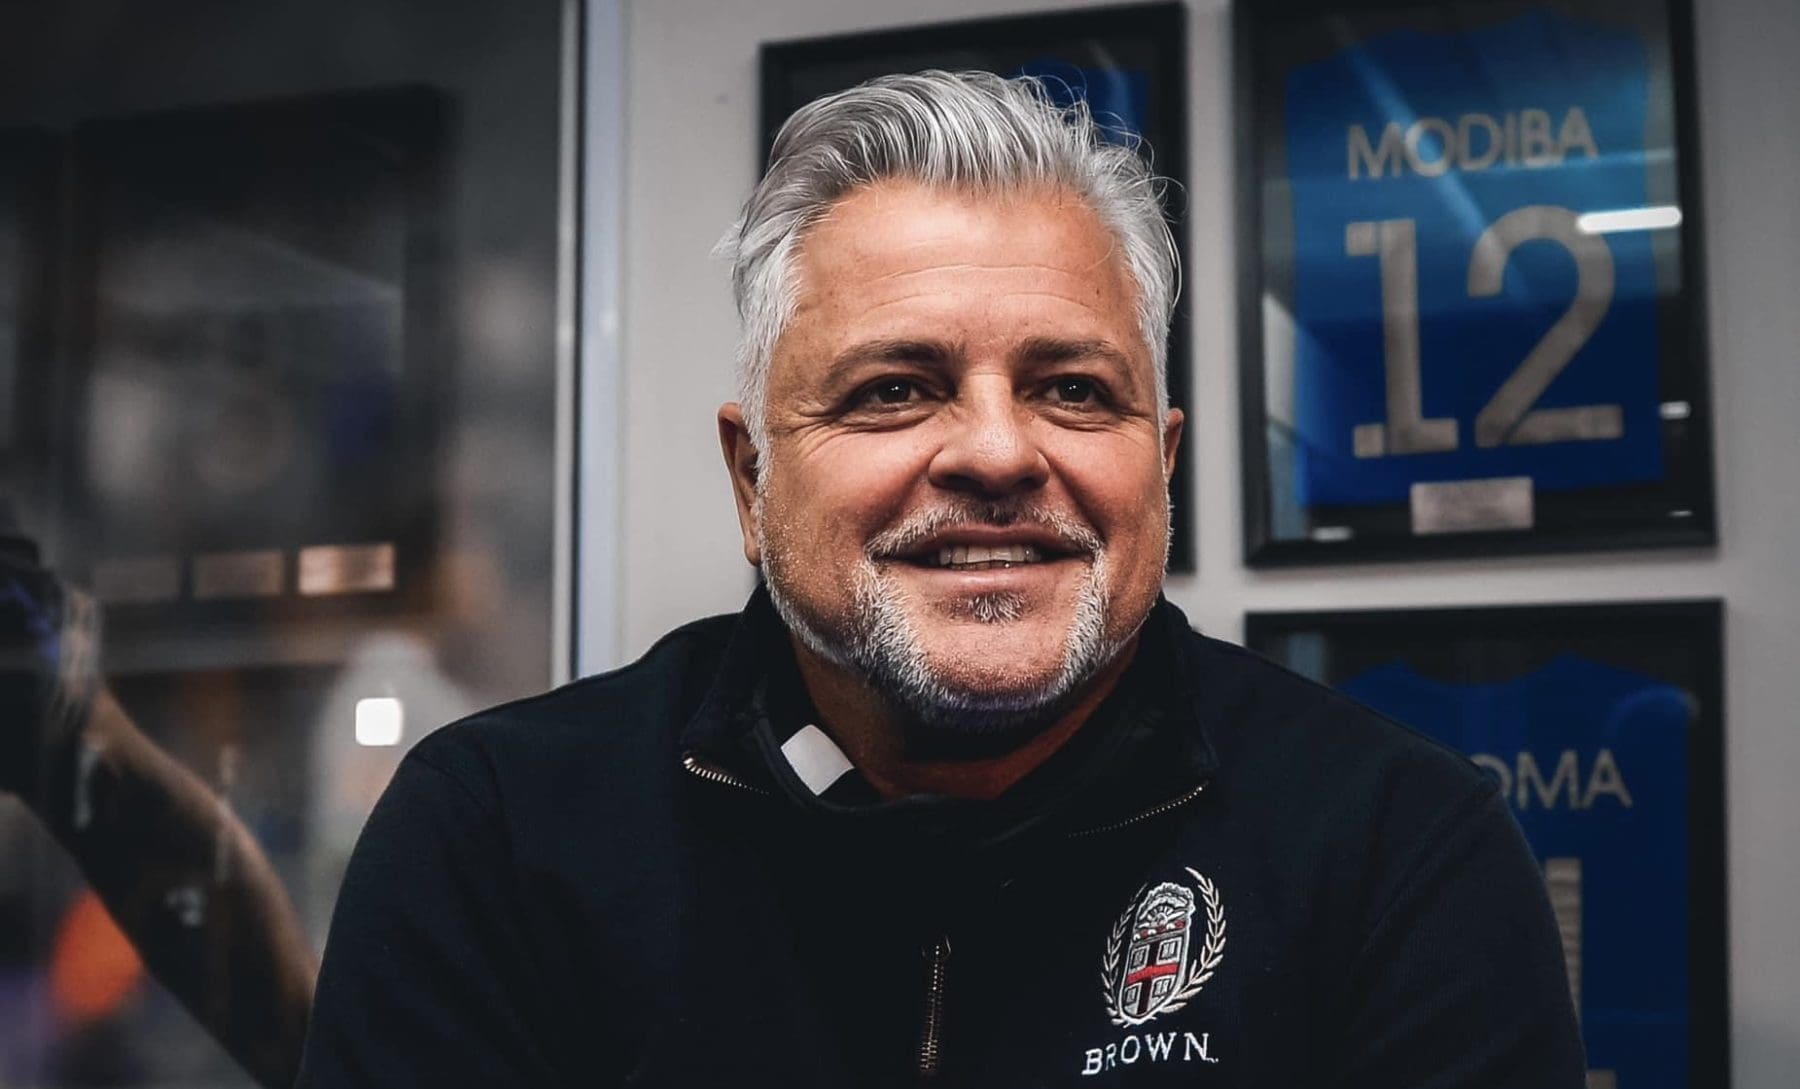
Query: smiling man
(958, 798)
(955, 477)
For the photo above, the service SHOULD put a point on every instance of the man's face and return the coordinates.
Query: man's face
(964, 497)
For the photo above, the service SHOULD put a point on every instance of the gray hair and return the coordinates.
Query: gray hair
(966, 130)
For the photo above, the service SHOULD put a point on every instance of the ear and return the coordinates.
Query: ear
(1173, 424)
(741, 461)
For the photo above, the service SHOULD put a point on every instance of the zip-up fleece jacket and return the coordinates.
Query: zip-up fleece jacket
(1230, 876)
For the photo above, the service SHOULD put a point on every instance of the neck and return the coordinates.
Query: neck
(874, 736)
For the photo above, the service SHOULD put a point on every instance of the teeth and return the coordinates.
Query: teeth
(961, 556)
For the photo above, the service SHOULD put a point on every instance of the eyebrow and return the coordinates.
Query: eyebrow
(1042, 350)
(1037, 350)
(897, 350)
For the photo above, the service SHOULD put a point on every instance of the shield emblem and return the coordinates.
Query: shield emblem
(1152, 969)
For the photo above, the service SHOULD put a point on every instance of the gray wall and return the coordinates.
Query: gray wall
(692, 124)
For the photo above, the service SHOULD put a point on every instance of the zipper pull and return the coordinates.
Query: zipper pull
(931, 1036)
(701, 769)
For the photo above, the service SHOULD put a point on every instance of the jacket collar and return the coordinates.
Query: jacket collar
(1147, 744)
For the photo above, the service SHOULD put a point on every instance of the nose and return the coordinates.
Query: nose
(988, 449)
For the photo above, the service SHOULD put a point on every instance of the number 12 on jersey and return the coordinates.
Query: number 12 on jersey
(1508, 417)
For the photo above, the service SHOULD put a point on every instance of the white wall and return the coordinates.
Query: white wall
(692, 135)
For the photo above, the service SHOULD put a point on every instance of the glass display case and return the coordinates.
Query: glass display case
(279, 384)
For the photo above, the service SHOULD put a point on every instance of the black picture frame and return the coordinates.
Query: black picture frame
(1145, 43)
(1321, 480)
(1645, 679)
(264, 283)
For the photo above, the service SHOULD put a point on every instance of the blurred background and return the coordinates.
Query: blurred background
(278, 386)
(360, 359)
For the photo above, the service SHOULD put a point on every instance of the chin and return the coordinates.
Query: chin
(1014, 684)
(972, 723)
(919, 658)
(950, 710)
(1008, 655)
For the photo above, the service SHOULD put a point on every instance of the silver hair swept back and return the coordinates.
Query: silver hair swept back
(965, 130)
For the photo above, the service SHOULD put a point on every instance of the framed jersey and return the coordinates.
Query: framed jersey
(1472, 317)
(1128, 63)
(1602, 726)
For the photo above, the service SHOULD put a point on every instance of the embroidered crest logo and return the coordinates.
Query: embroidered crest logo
(1147, 970)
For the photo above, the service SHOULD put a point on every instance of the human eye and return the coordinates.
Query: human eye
(888, 393)
(1076, 391)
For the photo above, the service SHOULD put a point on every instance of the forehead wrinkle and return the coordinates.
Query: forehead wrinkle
(1077, 298)
(972, 266)
(1079, 277)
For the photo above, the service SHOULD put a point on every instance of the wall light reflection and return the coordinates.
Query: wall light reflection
(1653, 218)
(380, 721)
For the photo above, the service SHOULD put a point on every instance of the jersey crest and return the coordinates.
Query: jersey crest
(1152, 965)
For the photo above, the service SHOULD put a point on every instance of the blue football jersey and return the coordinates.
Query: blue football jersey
(1452, 132)
(1594, 761)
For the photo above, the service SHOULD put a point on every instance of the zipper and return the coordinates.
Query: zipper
(931, 1036)
(937, 954)
(715, 774)
(1154, 811)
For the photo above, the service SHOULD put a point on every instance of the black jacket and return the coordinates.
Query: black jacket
(1230, 877)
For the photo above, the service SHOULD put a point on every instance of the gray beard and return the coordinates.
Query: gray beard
(882, 647)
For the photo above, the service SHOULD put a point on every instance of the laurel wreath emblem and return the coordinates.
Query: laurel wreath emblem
(1193, 975)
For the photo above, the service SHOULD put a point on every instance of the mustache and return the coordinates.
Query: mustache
(1070, 534)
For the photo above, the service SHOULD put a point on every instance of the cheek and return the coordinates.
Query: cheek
(1119, 486)
(849, 483)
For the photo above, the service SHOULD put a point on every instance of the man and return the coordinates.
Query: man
(958, 797)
